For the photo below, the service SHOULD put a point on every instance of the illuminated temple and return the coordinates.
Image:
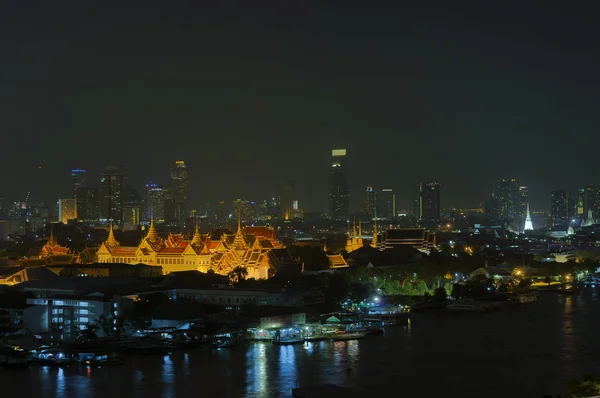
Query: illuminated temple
(249, 247)
(52, 248)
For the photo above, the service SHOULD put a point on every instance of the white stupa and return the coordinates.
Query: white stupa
(589, 220)
(528, 223)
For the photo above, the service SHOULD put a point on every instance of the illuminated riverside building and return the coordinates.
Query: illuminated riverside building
(249, 247)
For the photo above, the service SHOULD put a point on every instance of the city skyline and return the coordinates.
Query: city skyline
(409, 103)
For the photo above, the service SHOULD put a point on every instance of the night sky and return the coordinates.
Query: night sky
(253, 93)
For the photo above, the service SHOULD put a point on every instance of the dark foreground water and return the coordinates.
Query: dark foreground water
(523, 351)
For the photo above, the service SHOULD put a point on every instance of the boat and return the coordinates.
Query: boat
(348, 336)
(523, 298)
(465, 307)
(288, 341)
(93, 359)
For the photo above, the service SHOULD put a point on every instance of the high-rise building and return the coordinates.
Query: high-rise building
(111, 195)
(591, 201)
(559, 203)
(179, 192)
(67, 210)
(247, 210)
(428, 204)
(523, 202)
(387, 204)
(339, 193)
(579, 204)
(286, 201)
(78, 179)
(508, 197)
(87, 203)
(132, 209)
(155, 202)
(370, 203)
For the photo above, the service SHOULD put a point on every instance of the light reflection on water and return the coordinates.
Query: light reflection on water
(539, 347)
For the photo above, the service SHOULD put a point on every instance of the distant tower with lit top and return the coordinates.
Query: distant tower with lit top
(180, 185)
(528, 223)
(339, 194)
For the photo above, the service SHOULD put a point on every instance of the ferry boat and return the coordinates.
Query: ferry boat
(523, 298)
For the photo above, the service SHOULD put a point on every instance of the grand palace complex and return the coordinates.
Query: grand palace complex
(250, 248)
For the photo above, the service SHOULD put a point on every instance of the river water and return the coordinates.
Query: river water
(524, 351)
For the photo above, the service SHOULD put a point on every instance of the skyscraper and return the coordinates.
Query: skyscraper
(591, 201)
(111, 195)
(87, 203)
(428, 201)
(523, 202)
(286, 201)
(67, 210)
(387, 204)
(339, 194)
(579, 205)
(155, 202)
(559, 204)
(507, 196)
(132, 208)
(78, 178)
(179, 191)
(370, 203)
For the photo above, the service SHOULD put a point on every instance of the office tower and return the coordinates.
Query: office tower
(579, 204)
(179, 192)
(559, 203)
(67, 210)
(286, 201)
(508, 197)
(591, 201)
(370, 203)
(222, 214)
(155, 202)
(247, 210)
(111, 195)
(78, 179)
(523, 202)
(387, 204)
(87, 203)
(132, 209)
(339, 194)
(428, 201)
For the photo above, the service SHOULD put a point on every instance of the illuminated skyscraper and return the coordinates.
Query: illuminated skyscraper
(428, 204)
(179, 191)
(579, 204)
(78, 178)
(387, 204)
(339, 194)
(87, 203)
(286, 201)
(155, 202)
(559, 203)
(111, 195)
(67, 210)
(370, 203)
(507, 195)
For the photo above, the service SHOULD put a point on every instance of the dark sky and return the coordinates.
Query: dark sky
(253, 93)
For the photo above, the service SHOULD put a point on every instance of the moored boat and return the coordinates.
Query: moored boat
(523, 298)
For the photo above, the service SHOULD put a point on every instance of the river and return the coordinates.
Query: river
(524, 351)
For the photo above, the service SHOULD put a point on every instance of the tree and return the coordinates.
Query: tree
(439, 294)
(422, 287)
(236, 275)
(548, 280)
(589, 386)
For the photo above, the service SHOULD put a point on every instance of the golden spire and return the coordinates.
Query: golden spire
(374, 240)
(359, 241)
(239, 228)
(325, 247)
(354, 233)
(111, 241)
(51, 240)
(196, 239)
(152, 235)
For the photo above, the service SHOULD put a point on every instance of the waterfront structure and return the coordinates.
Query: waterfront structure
(179, 193)
(286, 201)
(339, 193)
(67, 210)
(559, 203)
(249, 248)
(78, 179)
(507, 196)
(528, 224)
(427, 201)
(87, 203)
(111, 195)
(387, 204)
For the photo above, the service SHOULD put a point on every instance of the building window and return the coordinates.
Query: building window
(83, 312)
(84, 304)
(83, 320)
